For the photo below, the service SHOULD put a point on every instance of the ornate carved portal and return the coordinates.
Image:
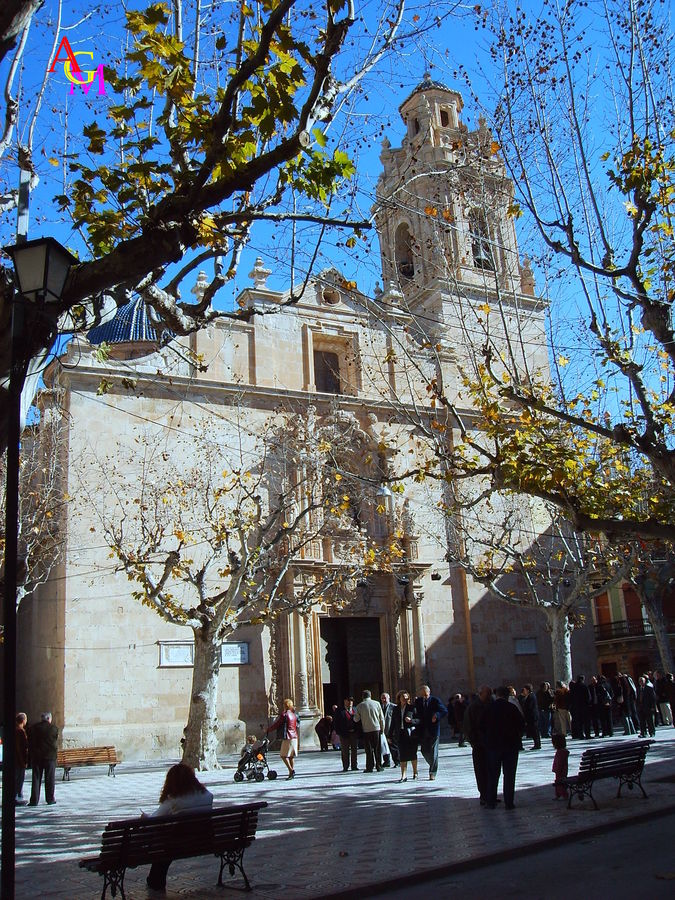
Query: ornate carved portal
(375, 641)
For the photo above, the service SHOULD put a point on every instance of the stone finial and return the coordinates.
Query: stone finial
(200, 286)
(386, 143)
(527, 278)
(391, 294)
(259, 274)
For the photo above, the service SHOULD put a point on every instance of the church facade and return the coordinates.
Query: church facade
(112, 670)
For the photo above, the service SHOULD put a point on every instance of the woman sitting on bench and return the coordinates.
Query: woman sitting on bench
(182, 792)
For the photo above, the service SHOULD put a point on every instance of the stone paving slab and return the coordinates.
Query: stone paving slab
(326, 832)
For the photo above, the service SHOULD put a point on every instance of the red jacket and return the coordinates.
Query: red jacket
(289, 722)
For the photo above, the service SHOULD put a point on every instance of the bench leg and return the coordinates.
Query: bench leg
(631, 780)
(114, 879)
(66, 773)
(111, 769)
(590, 794)
(581, 791)
(233, 859)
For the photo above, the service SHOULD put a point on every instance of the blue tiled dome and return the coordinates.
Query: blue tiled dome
(130, 324)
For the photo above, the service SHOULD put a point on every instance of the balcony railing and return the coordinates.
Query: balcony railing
(628, 629)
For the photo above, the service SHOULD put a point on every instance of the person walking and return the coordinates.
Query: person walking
(474, 732)
(287, 723)
(371, 718)
(344, 723)
(528, 702)
(181, 793)
(403, 733)
(21, 757)
(504, 726)
(429, 710)
(42, 747)
(388, 708)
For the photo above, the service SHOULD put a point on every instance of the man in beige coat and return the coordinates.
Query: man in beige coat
(369, 714)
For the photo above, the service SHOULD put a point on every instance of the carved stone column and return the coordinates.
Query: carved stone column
(418, 638)
(307, 716)
(302, 698)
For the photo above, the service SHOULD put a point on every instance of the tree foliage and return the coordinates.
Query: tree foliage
(585, 123)
(535, 560)
(42, 503)
(214, 120)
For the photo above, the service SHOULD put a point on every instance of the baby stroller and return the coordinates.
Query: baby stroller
(253, 763)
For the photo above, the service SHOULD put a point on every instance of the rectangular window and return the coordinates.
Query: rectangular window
(327, 372)
(525, 647)
(180, 654)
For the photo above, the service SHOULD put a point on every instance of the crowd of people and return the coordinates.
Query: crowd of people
(595, 708)
(495, 722)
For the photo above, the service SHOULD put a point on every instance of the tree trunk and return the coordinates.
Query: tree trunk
(654, 609)
(561, 632)
(200, 736)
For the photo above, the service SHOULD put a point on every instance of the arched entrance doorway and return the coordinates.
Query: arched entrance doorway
(351, 658)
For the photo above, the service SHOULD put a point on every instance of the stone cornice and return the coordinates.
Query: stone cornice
(188, 389)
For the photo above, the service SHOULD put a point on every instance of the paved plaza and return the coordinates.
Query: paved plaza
(328, 833)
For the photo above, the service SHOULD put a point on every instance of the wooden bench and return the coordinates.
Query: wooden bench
(86, 756)
(624, 761)
(225, 833)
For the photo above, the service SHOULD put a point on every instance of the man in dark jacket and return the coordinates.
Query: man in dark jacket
(646, 706)
(580, 708)
(504, 725)
(530, 707)
(474, 732)
(42, 743)
(429, 710)
(346, 726)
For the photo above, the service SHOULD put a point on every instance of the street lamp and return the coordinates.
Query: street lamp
(385, 497)
(41, 267)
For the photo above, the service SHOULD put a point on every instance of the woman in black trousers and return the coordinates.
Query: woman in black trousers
(403, 733)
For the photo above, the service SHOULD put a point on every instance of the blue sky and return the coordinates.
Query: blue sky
(372, 114)
(438, 39)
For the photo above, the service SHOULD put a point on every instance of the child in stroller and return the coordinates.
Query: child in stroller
(253, 762)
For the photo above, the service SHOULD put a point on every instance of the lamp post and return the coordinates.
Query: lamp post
(41, 268)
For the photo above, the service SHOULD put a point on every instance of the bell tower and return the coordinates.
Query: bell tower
(443, 203)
